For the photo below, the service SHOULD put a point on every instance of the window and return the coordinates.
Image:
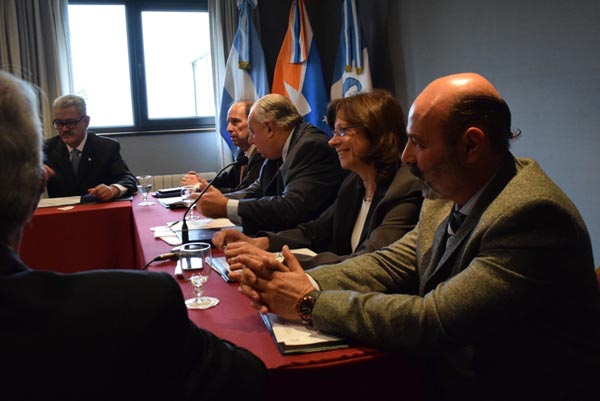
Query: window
(143, 65)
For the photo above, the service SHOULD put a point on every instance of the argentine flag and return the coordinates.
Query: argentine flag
(298, 73)
(351, 73)
(245, 72)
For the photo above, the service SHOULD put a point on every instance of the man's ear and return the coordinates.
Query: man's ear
(473, 143)
(270, 130)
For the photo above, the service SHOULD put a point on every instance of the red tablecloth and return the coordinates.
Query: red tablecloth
(348, 374)
(85, 237)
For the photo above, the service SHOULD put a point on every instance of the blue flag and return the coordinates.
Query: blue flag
(298, 74)
(351, 73)
(245, 71)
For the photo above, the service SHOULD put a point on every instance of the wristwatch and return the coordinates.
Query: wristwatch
(305, 305)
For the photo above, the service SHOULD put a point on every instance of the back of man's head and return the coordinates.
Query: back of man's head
(20, 154)
(277, 109)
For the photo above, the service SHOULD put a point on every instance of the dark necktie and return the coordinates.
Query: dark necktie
(75, 157)
(242, 168)
(456, 219)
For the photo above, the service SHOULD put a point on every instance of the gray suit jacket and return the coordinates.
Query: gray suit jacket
(511, 310)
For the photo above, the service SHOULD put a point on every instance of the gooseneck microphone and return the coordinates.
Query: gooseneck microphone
(185, 236)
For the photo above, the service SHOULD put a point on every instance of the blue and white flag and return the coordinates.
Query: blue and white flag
(245, 71)
(351, 73)
(298, 74)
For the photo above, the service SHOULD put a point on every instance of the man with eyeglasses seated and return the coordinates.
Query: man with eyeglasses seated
(78, 162)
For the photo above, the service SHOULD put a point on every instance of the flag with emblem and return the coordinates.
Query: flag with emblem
(298, 74)
(351, 73)
(245, 71)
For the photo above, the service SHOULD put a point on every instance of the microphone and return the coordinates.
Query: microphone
(165, 256)
(185, 236)
(162, 256)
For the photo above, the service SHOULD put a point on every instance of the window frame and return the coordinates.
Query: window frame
(142, 124)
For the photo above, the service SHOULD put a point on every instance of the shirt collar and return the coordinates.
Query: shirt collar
(80, 146)
(286, 145)
(468, 207)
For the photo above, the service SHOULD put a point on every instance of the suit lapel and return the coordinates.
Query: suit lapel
(445, 255)
(437, 258)
(271, 173)
(87, 157)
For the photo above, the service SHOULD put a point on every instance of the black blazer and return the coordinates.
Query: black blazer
(229, 181)
(101, 163)
(110, 335)
(394, 211)
(296, 191)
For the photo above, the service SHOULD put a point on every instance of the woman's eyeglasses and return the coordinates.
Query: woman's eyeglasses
(343, 131)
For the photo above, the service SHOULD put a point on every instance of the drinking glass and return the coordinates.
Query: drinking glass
(187, 197)
(144, 184)
(195, 261)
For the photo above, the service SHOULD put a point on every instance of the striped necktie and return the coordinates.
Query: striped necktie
(75, 158)
(456, 219)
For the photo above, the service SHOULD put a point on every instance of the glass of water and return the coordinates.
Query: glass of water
(144, 184)
(195, 261)
(188, 196)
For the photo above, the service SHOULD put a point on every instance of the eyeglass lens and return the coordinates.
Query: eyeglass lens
(66, 123)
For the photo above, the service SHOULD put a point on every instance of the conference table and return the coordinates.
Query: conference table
(80, 237)
(119, 235)
(358, 372)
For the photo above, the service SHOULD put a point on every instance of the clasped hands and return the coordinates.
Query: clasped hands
(271, 285)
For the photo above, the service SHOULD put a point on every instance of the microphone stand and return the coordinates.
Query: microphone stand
(185, 235)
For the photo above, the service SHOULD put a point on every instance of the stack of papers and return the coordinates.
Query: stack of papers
(294, 338)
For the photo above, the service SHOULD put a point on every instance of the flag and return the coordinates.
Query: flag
(245, 71)
(351, 72)
(298, 73)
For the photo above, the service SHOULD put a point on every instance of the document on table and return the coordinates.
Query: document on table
(294, 337)
(168, 232)
(203, 224)
(53, 202)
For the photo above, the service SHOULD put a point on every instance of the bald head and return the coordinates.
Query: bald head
(441, 95)
(467, 99)
(459, 131)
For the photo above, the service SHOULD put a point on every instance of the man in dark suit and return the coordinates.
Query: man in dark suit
(102, 335)
(504, 306)
(78, 162)
(242, 175)
(297, 183)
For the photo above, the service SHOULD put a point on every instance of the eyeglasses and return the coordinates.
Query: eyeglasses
(343, 131)
(58, 124)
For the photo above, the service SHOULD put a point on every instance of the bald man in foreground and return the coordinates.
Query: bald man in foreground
(504, 306)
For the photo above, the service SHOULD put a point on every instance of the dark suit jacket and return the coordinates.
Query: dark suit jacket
(510, 310)
(110, 335)
(394, 211)
(101, 163)
(296, 191)
(229, 181)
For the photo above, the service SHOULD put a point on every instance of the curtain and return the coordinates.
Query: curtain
(223, 24)
(34, 47)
